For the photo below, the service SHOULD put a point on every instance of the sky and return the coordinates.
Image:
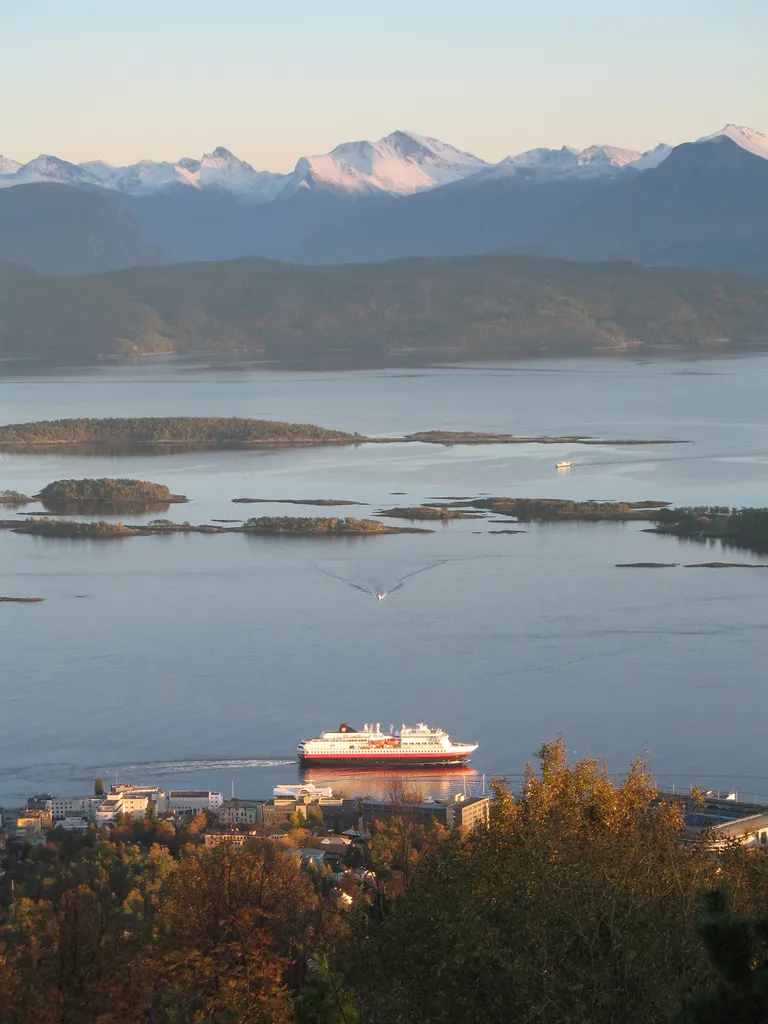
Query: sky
(273, 81)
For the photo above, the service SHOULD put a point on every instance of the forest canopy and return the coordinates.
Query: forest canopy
(106, 489)
(497, 306)
(165, 429)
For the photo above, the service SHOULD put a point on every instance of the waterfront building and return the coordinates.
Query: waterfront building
(193, 801)
(337, 812)
(241, 812)
(725, 820)
(457, 811)
(130, 801)
(75, 807)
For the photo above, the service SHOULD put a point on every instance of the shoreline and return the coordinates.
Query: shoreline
(437, 437)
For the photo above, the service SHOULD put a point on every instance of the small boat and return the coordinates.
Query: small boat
(563, 465)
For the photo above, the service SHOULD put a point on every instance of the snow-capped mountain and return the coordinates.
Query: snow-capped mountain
(401, 163)
(651, 158)
(222, 169)
(747, 138)
(50, 168)
(567, 162)
(8, 166)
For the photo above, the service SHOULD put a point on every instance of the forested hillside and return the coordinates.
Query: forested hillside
(486, 306)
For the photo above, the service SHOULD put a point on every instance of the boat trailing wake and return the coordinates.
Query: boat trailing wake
(181, 767)
(375, 586)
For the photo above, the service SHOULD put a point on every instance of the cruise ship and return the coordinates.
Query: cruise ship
(416, 746)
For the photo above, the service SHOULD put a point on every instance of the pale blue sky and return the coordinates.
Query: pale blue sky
(275, 80)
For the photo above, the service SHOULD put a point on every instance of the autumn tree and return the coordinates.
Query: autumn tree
(578, 903)
(236, 931)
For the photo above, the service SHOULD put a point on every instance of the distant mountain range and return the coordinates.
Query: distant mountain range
(399, 164)
(381, 313)
(700, 204)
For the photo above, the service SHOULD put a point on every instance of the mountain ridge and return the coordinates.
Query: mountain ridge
(401, 163)
(699, 204)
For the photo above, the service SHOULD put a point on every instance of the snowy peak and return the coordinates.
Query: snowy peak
(399, 164)
(749, 139)
(221, 169)
(566, 156)
(607, 156)
(222, 157)
(50, 168)
(651, 158)
(8, 166)
(567, 162)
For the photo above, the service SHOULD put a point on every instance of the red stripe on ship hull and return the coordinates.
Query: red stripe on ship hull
(401, 759)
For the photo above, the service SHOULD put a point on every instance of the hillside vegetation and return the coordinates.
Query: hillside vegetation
(165, 429)
(491, 306)
(107, 489)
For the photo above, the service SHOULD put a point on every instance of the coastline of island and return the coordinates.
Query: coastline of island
(284, 526)
(166, 435)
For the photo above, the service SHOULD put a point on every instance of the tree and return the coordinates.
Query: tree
(315, 817)
(576, 904)
(98, 787)
(236, 928)
(737, 946)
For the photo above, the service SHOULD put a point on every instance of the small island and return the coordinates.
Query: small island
(329, 502)
(647, 565)
(453, 437)
(106, 490)
(740, 527)
(324, 527)
(282, 525)
(165, 433)
(542, 510)
(21, 600)
(99, 530)
(427, 512)
(726, 565)
(14, 498)
(168, 434)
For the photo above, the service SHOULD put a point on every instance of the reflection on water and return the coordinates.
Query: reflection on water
(436, 783)
(104, 508)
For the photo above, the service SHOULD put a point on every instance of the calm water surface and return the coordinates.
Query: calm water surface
(201, 660)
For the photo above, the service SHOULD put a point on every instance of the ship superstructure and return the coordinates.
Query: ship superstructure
(411, 745)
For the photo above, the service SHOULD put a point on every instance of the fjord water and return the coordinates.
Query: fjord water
(189, 660)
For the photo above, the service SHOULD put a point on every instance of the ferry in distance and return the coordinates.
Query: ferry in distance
(563, 465)
(415, 746)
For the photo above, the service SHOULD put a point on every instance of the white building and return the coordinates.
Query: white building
(306, 791)
(130, 801)
(75, 807)
(193, 801)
